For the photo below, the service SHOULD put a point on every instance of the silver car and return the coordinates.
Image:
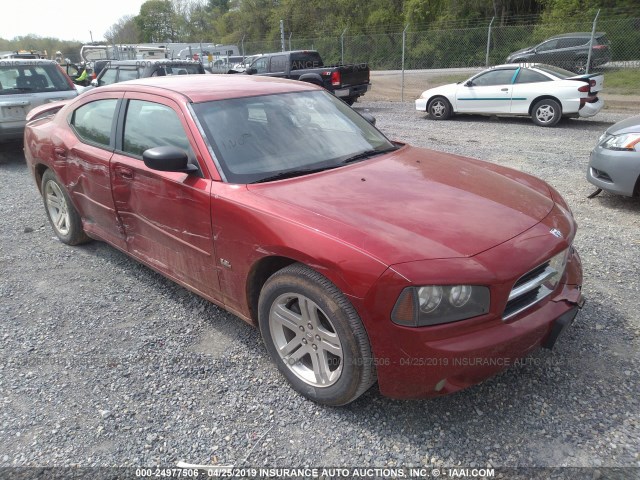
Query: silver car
(26, 84)
(615, 162)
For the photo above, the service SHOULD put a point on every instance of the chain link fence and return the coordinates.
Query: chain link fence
(405, 63)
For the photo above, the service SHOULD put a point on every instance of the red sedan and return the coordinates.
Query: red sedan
(360, 259)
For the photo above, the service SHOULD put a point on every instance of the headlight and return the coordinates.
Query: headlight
(436, 304)
(626, 142)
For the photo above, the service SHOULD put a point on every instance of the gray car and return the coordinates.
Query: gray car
(615, 162)
(26, 84)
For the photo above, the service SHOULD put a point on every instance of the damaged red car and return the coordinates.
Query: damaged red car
(360, 259)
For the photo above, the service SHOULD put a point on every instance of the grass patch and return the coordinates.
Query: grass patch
(622, 82)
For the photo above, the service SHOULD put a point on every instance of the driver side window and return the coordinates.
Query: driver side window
(148, 125)
(261, 65)
(494, 77)
(550, 45)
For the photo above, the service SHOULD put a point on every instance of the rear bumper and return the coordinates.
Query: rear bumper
(589, 109)
(352, 91)
(12, 130)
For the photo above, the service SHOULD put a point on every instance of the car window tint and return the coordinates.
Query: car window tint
(303, 60)
(93, 121)
(127, 74)
(572, 42)
(26, 78)
(278, 63)
(261, 65)
(148, 125)
(108, 77)
(550, 45)
(530, 76)
(494, 77)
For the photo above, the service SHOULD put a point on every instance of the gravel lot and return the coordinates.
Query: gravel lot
(104, 362)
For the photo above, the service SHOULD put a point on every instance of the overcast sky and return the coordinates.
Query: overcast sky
(63, 19)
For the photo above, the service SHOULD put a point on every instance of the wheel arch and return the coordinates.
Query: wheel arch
(38, 172)
(545, 97)
(258, 275)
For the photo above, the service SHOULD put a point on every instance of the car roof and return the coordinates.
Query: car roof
(148, 63)
(578, 34)
(26, 61)
(204, 88)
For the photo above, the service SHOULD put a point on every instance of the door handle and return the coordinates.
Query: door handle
(60, 153)
(504, 89)
(124, 172)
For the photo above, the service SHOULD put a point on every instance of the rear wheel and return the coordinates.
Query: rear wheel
(439, 108)
(314, 335)
(546, 113)
(580, 65)
(63, 216)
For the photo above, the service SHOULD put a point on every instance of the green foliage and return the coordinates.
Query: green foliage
(158, 21)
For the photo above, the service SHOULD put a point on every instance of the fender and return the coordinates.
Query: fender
(311, 78)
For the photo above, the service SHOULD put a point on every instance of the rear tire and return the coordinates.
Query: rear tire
(315, 337)
(439, 108)
(546, 113)
(63, 216)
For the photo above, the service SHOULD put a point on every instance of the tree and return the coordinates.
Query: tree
(124, 30)
(157, 21)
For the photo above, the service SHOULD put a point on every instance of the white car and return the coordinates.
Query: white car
(543, 92)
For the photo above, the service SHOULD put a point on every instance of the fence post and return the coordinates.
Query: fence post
(593, 33)
(242, 46)
(290, 34)
(282, 35)
(342, 46)
(404, 42)
(486, 62)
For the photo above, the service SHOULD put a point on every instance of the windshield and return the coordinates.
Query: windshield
(555, 71)
(258, 138)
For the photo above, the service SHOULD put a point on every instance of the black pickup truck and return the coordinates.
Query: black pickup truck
(345, 81)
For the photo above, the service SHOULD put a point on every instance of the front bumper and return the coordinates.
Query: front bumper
(614, 171)
(440, 359)
(421, 105)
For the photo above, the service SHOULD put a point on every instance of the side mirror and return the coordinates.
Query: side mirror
(369, 118)
(168, 159)
(468, 83)
(94, 82)
(251, 71)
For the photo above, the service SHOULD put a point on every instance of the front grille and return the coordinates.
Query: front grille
(529, 290)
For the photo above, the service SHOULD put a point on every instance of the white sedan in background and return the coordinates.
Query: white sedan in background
(543, 92)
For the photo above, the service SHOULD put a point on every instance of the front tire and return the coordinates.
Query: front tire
(546, 113)
(439, 108)
(63, 216)
(315, 337)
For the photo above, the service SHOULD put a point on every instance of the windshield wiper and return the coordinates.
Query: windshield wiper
(294, 173)
(367, 154)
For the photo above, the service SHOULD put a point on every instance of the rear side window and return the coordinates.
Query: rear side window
(93, 121)
(30, 78)
(529, 76)
(304, 60)
(148, 125)
(127, 74)
(186, 69)
(572, 42)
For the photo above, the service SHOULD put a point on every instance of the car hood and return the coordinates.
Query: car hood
(628, 125)
(415, 204)
(522, 50)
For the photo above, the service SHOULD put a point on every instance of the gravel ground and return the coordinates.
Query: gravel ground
(104, 362)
